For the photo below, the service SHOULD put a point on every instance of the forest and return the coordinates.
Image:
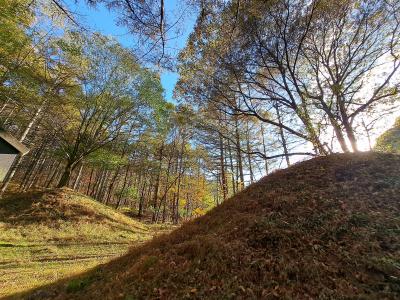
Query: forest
(261, 86)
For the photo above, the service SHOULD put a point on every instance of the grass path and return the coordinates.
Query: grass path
(29, 266)
(47, 236)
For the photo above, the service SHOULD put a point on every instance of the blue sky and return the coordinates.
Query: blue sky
(102, 20)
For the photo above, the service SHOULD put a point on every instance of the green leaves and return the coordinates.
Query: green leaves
(107, 158)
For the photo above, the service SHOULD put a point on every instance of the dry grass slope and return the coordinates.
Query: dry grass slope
(328, 228)
(49, 235)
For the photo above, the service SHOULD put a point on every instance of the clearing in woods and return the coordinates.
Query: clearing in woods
(49, 235)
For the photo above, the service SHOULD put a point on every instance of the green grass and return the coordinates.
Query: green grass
(47, 236)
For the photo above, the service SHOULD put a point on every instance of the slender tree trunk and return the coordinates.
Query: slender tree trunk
(3, 107)
(368, 134)
(157, 184)
(29, 170)
(164, 214)
(123, 186)
(141, 200)
(39, 174)
(282, 135)
(180, 167)
(239, 155)
(36, 161)
(32, 122)
(54, 175)
(111, 186)
(167, 187)
(222, 168)
(231, 167)
(97, 178)
(173, 207)
(90, 181)
(49, 172)
(102, 187)
(264, 149)
(10, 114)
(78, 178)
(36, 174)
(248, 152)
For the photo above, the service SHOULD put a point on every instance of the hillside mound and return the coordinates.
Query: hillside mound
(327, 228)
(62, 214)
(49, 235)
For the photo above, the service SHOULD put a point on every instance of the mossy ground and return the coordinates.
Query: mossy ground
(49, 235)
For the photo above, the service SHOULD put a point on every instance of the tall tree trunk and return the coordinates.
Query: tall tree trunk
(264, 149)
(350, 134)
(3, 107)
(35, 173)
(102, 187)
(339, 135)
(123, 186)
(32, 122)
(368, 134)
(239, 155)
(167, 187)
(180, 167)
(29, 169)
(346, 123)
(282, 135)
(248, 152)
(39, 174)
(231, 167)
(49, 172)
(303, 114)
(90, 180)
(141, 200)
(109, 191)
(78, 178)
(222, 168)
(157, 183)
(54, 174)
(65, 177)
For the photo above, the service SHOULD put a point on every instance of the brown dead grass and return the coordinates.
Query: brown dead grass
(327, 228)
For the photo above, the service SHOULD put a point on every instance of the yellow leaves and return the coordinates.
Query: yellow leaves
(182, 203)
(199, 211)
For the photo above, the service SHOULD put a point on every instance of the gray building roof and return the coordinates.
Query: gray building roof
(13, 142)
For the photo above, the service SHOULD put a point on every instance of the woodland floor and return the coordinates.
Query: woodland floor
(327, 228)
(47, 236)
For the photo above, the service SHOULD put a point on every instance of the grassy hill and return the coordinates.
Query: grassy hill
(328, 228)
(48, 235)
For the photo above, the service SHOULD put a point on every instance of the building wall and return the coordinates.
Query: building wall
(7, 156)
(5, 164)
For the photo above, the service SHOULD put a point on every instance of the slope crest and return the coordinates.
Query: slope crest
(62, 214)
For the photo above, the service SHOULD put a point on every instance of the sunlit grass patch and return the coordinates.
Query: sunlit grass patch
(48, 236)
